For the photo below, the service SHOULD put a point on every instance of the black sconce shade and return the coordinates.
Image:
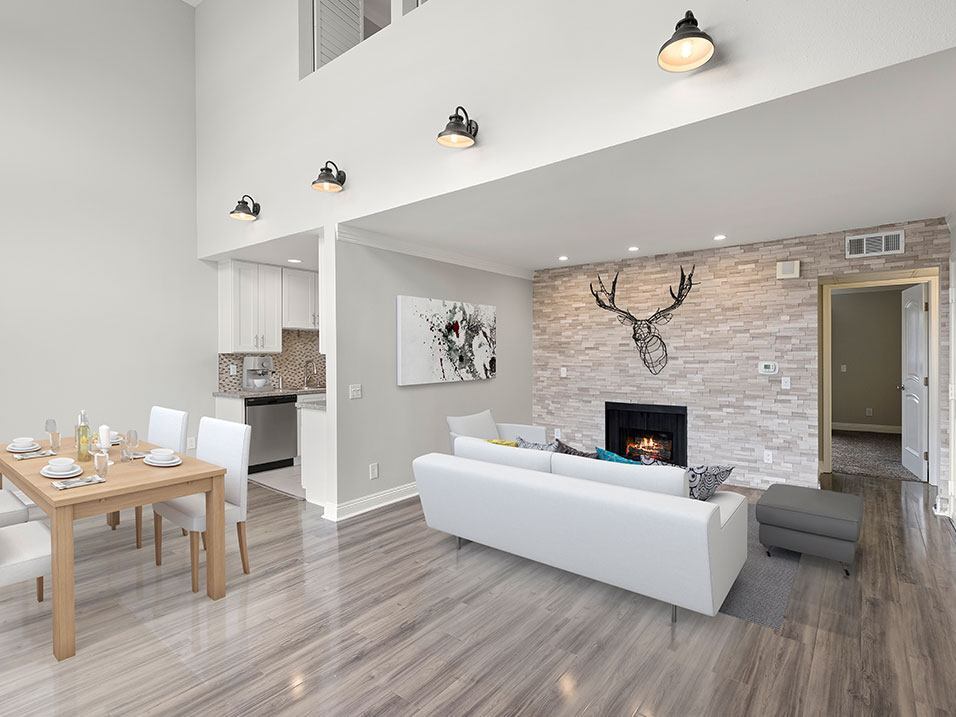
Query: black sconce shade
(243, 213)
(460, 132)
(329, 180)
(688, 48)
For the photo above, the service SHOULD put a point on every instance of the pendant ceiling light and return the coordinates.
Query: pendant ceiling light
(243, 213)
(460, 132)
(330, 179)
(688, 48)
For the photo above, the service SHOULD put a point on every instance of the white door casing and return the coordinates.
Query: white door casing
(915, 377)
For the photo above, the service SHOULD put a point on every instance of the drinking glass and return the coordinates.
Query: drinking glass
(101, 463)
(54, 434)
(132, 441)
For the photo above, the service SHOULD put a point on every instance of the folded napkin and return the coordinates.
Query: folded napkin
(77, 482)
(35, 454)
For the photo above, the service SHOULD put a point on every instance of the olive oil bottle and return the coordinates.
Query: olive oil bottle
(82, 438)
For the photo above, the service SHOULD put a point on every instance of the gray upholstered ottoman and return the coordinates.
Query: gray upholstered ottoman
(815, 522)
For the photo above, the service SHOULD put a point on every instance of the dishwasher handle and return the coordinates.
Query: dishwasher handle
(271, 400)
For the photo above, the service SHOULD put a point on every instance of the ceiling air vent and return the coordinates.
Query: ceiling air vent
(863, 245)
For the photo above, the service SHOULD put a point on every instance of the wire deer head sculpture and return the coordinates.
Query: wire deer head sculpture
(644, 332)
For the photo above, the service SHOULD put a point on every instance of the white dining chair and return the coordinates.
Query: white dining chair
(225, 444)
(167, 429)
(12, 509)
(25, 554)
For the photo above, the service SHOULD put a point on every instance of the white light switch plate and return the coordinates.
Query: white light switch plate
(785, 383)
(355, 390)
(842, 368)
(191, 443)
(372, 471)
(557, 433)
(768, 456)
(563, 372)
(232, 369)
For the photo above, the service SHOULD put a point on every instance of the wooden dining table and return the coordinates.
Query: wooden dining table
(127, 485)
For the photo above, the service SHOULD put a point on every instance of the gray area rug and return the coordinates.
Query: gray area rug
(869, 454)
(762, 590)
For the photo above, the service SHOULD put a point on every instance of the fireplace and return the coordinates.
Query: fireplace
(646, 432)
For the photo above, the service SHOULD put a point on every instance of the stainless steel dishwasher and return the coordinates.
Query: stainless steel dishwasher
(274, 442)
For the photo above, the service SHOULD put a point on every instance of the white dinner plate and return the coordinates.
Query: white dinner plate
(73, 473)
(157, 464)
(28, 449)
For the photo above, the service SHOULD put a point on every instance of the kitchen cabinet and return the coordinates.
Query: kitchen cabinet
(250, 308)
(300, 299)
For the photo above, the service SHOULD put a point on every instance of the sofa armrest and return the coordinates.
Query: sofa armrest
(512, 431)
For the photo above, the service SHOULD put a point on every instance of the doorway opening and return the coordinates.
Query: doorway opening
(879, 375)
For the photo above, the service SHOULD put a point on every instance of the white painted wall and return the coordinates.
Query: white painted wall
(588, 82)
(104, 305)
(393, 425)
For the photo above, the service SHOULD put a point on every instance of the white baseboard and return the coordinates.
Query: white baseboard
(868, 427)
(350, 508)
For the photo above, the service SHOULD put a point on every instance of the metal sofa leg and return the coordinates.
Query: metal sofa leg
(459, 543)
(846, 570)
(673, 614)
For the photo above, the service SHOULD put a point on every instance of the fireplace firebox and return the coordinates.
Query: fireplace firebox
(646, 432)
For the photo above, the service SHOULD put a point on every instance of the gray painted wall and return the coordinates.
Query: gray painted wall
(104, 305)
(867, 340)
(393, 425)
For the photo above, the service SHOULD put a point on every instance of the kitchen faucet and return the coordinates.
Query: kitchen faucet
(310, 370)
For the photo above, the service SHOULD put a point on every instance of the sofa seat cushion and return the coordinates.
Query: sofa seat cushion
(655, 479)
(819, 512)
(478, 449)
(477, 425)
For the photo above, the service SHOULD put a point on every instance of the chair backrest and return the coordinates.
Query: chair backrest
(167, 428)
(226, 444)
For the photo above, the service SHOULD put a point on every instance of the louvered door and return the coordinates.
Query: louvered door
(338, 27)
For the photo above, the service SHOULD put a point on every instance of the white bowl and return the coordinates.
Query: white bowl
(61, 465)
(114, 435)
(163, 455)
(260, 382)
(22, 442)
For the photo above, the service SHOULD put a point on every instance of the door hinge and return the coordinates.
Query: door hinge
(926, 380)
(925, 455)
(925, 306)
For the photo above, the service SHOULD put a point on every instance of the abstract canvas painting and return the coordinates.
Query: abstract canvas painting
(442, 341)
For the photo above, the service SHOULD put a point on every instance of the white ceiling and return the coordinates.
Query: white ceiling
(874, 149)
(304, 246)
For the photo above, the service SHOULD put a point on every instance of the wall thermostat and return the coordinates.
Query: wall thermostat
(767, 368)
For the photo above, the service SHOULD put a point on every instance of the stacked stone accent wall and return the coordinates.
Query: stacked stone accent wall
(738, 313)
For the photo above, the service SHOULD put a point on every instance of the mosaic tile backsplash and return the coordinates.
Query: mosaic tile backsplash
(297, 348)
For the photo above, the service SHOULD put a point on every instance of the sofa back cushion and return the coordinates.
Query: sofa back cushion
(478, 449)
(477, 425)
(656, 479)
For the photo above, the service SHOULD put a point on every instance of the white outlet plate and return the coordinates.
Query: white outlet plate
(191, 443)
(355, 391)
(869, 412)
(785, 383)
(233, 370)
(842, 368)
(563, 372)
(372, 471)
(768, 456)
(557, 433)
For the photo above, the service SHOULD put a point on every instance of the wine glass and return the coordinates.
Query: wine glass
(132, 441)
(101, 463)
(54, 434)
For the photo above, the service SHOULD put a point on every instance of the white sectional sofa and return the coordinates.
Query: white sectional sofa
(589, 517)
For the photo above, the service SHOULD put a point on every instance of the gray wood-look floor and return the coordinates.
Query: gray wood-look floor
(380, 615)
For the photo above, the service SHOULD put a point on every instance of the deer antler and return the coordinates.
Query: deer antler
(662, 316)
(606, 300)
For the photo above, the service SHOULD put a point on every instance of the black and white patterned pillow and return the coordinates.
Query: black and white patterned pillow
(705, 480)
(549, 447)
(563, 447)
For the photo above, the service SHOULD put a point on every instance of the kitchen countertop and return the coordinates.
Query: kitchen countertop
(316, 405)
(269, 393)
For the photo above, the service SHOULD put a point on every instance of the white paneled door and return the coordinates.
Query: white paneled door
(914, 387)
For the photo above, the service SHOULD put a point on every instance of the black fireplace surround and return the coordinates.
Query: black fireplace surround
(636, 430)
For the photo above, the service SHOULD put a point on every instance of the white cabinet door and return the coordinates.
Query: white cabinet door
(246, 337)
(270, 309)
(298, 299)
(315, 300)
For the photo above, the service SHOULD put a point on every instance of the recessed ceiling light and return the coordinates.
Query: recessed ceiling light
(633, 248)
(720, 237)
(562, 258)
(294, 261)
